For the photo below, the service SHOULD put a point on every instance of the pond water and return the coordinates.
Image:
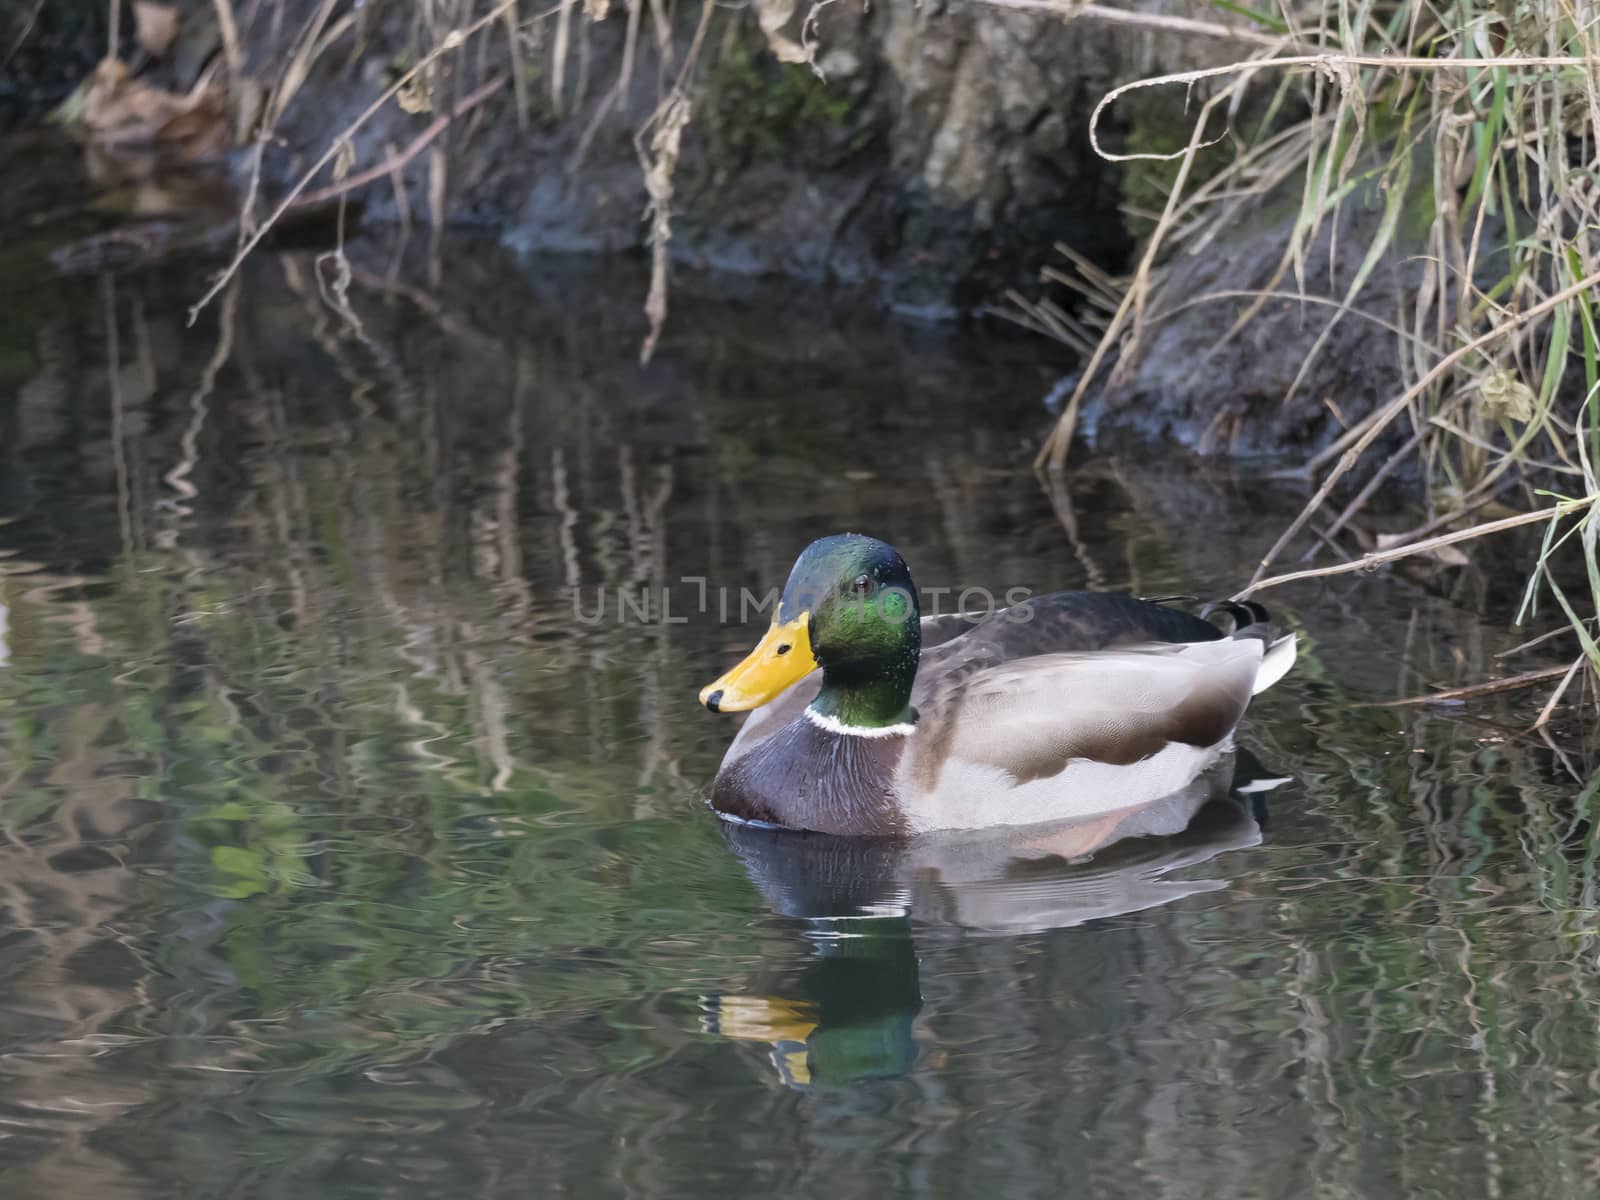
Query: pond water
(345, 851)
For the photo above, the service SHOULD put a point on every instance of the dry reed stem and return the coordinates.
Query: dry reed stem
(1105, 292)
(1374, 482)
(22, 36)
(1336, 65)
(662, 25)
(228, 28)
(630, 48)
(558, 56)
(1510, 683)
(665, 127)
(1187, 26)
(1522, 647)
(519, 82)
(1570, 674)
(1375, 559)
(304, 52)
(658, 169)
(402, 202)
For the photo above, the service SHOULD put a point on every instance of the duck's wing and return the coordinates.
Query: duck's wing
(1057, 623)
(1064, 622)
(1060, 735)
(1118, 706)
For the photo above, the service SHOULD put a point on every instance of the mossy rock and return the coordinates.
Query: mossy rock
(754, 108)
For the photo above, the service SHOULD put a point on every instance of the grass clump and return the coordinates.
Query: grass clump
(1475, 125)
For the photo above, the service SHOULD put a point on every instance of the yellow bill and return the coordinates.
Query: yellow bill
(780, 660)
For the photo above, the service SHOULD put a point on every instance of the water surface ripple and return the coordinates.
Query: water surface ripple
(342, 857)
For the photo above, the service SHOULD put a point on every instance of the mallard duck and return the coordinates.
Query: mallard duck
(880, 722)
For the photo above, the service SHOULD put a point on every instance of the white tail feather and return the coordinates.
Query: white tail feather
(1275, 664)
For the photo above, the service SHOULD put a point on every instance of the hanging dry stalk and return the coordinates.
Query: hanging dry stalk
(558, 55)
(228, 27)
(659, 164)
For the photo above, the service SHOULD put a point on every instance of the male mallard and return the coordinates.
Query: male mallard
(1068, 705)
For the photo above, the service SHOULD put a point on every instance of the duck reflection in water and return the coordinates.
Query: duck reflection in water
(848, 1016)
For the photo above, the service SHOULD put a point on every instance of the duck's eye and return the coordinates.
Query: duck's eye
(784, 649)
(862, 585)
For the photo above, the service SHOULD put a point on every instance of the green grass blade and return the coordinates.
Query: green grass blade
(1265, 19)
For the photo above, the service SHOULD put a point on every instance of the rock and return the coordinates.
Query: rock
(1263, 390)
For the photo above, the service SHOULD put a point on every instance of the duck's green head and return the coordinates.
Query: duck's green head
(849, 607)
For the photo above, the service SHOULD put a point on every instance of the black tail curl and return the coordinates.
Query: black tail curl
(1241, 613)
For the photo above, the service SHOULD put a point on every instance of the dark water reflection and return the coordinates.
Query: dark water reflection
(340, 859)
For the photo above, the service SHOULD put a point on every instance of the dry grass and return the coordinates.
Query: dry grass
(1479, 118)
(444, 32)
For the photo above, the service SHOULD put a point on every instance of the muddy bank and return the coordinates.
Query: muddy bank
(932, 154)
(935, 151)
(1296, 374)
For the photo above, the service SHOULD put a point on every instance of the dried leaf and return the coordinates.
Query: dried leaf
(197, 131)
(119, 110)
(597, 10)
(413, 96)
(1505, 394)
(344, 161)
(1447, 556)
(156, 26)
(774, 15)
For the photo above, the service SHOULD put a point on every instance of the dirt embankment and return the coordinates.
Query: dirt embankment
(934, 152)
(937, 148)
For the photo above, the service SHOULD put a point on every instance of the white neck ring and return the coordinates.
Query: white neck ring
(834, 725)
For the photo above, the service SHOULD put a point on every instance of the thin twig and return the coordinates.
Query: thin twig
(1537, 641)
(1492, 687)
(1568, 676)
(1370, 488)
(398, 159)
(1370, 562)
(27, 28)
(1186, 26)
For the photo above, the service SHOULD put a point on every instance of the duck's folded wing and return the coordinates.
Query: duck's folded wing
(1031, 717)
